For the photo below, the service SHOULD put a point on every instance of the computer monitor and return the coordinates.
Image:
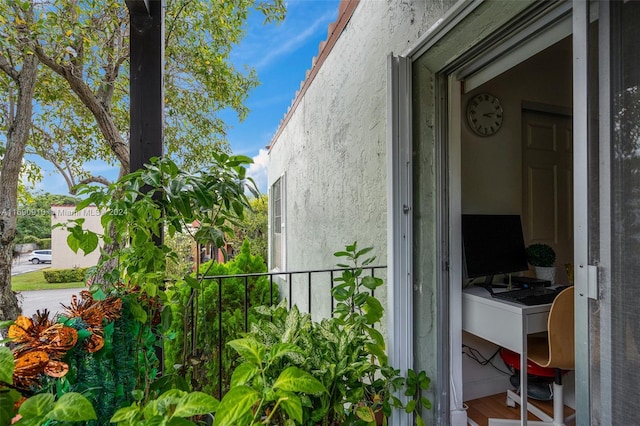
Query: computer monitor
(492, 245)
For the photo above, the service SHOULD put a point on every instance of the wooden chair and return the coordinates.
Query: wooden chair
(556, 351)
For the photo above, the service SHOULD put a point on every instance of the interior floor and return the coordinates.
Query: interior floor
(480, 410)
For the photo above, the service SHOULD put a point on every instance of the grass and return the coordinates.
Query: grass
(31, 281)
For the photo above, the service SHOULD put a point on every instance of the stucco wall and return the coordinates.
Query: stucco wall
(333, 149)
(62, 256)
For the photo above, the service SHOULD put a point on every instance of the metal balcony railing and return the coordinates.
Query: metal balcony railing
(306, 289)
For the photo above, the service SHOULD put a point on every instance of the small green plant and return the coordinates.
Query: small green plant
(263, 389)
(41, 408)
(540, 255)
(171, 407)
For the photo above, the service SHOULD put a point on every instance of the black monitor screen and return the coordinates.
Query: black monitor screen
(492, 245)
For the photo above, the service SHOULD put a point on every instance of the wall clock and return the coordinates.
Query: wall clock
(484, 114)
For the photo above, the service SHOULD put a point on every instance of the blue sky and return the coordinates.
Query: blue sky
(281, 54)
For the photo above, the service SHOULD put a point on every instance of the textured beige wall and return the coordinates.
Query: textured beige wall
(62, 255)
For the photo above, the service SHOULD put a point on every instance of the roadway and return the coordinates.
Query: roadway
(31, 301)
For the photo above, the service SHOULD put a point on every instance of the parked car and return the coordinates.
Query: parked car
(40, 256)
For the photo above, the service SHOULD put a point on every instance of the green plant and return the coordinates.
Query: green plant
(172, 407)
(135, 211)
(346, 354)
(540, 255)
(199, 362)
(39, 409)
(263, 389)
(65, 275)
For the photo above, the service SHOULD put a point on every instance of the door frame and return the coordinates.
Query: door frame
(512, 35)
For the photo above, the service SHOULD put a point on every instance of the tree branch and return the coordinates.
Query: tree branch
(90, 100)
(94, 179)
(6, 67)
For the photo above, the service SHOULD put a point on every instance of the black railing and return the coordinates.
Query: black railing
(295, 286)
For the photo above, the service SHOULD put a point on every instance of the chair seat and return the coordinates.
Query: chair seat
(512, 359)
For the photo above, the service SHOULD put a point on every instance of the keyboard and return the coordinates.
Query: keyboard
(528, 296)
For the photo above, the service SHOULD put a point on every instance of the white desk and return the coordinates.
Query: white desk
(506, 324)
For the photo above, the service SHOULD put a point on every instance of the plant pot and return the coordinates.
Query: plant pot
(546, 273)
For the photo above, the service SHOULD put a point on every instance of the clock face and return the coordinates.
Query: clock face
(484, 114)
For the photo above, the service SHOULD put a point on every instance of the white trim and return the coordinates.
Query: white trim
(543, 33)
(399, 222)
(455, 248)
(581, 206)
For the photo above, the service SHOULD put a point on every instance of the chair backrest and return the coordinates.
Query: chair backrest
(561, 331)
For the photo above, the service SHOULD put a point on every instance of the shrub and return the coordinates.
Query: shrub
(65, 275)
(199, 363)
(44, 243)
(28, 239)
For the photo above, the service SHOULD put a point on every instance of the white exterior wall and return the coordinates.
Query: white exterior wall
(62, 256)
(333, 149)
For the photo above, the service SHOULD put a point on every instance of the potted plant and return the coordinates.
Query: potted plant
(542, 258)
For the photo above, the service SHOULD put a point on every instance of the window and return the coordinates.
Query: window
(277, 227)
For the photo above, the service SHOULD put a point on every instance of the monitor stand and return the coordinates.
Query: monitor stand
(488, 284)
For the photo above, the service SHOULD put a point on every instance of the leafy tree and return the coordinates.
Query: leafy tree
(82, 94)
(85, 47)
(254, 228)
(19, 68)
(34, 215)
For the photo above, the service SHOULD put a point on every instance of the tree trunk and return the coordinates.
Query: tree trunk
(17, 136)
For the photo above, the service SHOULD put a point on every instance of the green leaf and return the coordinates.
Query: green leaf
(37, 405)
(139, 313)
(192, 282)
(292, 405)
(425, 403)
(376, 336)
(280, 349)
(126, 415)
(236, 406)
(419, 421)
(72, 407)
(364, 251)
(373, 310)
(411, 405)
(371, 282)
(366, 414)
(7, 365)
(89, 242)
(250, 349)
(294, 379)
(196, 403)
(243, 373)
(378, 352)
(73, 242)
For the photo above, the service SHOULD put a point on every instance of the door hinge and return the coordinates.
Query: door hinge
(592, 282)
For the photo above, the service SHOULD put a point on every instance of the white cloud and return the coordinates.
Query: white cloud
(259, 170)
